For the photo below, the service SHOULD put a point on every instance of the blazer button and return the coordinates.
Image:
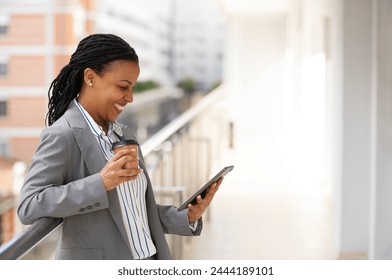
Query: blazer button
(89, 207)
(81, 210)
(97, 205)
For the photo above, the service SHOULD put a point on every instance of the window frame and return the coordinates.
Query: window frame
(3, 108)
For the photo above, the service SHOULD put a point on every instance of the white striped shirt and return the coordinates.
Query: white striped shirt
(131, 194)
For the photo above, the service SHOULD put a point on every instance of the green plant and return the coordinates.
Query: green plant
(145, 85)
(188, 85)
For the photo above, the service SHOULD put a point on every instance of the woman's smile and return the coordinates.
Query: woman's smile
(119, 107)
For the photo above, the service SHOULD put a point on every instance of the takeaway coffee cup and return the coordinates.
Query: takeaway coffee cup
(133, 146)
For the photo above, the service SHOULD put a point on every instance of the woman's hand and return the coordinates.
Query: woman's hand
(114, 173)
(196, 211)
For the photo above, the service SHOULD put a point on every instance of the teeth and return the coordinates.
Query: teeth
(119, 107)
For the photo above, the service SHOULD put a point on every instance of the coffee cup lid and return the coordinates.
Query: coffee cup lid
(124, 143)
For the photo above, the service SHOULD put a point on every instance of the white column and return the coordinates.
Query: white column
(353, 207)
(381, 192)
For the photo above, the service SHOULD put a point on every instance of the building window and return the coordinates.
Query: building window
(3, 29)
(4, 23)
(4, 148)
(3, 108)
(3, 69)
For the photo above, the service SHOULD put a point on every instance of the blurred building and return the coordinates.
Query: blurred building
(36, 40)
(175, 39)
(6, 216)
(198, 43)
(147, 25)
(12, 174)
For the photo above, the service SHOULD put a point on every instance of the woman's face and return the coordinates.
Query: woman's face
(112, 91)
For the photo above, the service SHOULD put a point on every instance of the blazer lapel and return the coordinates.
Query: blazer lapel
(95, 161)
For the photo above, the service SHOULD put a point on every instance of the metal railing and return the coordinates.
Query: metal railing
(182, 155)
(25, 241)
(179, 159)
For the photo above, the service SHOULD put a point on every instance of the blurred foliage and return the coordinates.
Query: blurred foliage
(188, 85)
(145, 85)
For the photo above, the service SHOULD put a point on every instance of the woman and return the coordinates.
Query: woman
(108, 212)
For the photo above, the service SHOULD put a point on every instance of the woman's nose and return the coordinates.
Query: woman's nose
(129, 97)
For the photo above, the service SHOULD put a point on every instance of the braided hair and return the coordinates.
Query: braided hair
(97, 52)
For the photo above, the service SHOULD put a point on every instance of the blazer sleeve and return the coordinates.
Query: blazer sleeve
(46, 191)
(176, 222)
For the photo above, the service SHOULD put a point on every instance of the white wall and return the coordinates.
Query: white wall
(254, 73)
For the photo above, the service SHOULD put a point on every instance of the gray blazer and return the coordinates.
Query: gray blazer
(63, 181)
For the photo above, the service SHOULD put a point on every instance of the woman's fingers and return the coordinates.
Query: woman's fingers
(197, 210)
(122, 167)
(125, 159)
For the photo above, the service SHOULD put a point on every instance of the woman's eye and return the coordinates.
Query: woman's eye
(123, 88)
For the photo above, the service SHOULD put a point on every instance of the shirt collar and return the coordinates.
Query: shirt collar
(95, 128)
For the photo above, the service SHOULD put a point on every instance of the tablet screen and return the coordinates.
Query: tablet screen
(203, 191)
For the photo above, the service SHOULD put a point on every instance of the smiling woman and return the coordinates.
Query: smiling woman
(96, 53)
(105, 199)
(105, 96)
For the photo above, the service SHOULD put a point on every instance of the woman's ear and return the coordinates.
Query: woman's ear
(89, 76)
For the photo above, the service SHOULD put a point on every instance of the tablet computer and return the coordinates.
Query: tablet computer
(203, 190)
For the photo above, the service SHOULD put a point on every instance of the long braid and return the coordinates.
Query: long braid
(96, 51)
